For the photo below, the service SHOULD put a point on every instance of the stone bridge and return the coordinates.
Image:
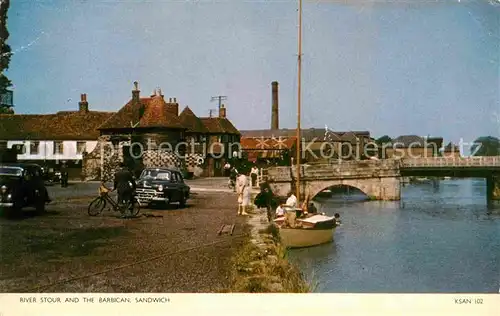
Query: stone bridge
(380, 179)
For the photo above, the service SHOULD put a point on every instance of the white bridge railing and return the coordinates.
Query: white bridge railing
(436, 162)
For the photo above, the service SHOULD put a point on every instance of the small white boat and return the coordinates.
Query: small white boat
(310, 231)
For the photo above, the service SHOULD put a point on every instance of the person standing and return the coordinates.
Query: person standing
(241, 184)
(247, 197)
(292, 200)
(124, 184)
(254, 173)
(64, 174)
(232, 178)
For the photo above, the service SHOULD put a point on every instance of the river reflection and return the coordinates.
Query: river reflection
(438, 238)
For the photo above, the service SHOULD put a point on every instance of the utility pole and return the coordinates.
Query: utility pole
(219, 98)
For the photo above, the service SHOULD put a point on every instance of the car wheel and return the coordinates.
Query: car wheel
(11, 212)
(182, 201)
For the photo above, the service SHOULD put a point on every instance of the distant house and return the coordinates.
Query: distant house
(317, 142)
(451, 151)
(412, 146)
(51, 138)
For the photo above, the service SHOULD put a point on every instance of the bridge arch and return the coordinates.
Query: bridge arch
(313, 188)
(343, 189)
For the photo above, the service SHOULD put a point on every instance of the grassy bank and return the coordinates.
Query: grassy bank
(265, 269)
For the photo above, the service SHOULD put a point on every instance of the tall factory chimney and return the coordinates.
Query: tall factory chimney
(275, 107)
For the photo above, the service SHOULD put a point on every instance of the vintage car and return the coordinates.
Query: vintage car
(161, 185)
(22, 185)
(50, 175)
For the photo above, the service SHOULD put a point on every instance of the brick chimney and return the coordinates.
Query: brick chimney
(274, 108)
(173, 105)
(222, 111)
(83, 105)
(136, 92)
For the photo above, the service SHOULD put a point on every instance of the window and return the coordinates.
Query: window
(174, 177)
(19, 148)
(58, 147)
(80, 147)
(179, 177)
(34, 147)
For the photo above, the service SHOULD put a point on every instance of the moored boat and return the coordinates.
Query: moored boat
(306, 232)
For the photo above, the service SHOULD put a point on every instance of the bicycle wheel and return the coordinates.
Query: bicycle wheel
(96, 206)
(134, 207)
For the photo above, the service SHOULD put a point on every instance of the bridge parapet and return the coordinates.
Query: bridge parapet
(439, 162)
(340, 170)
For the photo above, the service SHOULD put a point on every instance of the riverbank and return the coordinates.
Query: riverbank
(261, 265)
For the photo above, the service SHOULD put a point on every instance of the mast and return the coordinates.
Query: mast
(297, 163)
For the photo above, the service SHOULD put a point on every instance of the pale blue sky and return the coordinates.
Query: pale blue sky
(405, 67)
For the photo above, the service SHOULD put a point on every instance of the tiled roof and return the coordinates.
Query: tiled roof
(349, 137)
(307, 134)
(219, 125)
(416, 141)
(148, 112)
(192, 122)
(67, 125)
(267, 143)
(407, 140)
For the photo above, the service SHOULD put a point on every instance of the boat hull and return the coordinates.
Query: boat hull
(305, 237)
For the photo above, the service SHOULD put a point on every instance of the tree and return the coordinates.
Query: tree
(5, 52)
(383, 140)
(486, 146)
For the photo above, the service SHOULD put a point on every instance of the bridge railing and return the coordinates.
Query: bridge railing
(491, 161)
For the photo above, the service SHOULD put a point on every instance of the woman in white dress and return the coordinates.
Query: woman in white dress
(244, 194)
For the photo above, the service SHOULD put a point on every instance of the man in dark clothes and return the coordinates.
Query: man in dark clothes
(124, 184)
(266, 199)
(64, 174)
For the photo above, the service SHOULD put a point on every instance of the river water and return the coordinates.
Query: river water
(438, 238)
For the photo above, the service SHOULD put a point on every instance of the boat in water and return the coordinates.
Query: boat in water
(299, 232)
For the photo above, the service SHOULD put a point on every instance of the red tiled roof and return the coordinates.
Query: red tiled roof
(279, 143)
(67, 125)
(148, 112)
(192, 122)
(219, 125)
(307, 134)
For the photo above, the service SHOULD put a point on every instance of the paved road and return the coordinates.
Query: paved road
(79, 189)
(185, 252)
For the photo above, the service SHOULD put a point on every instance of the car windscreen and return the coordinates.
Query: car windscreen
(10, 171)
(156, 174)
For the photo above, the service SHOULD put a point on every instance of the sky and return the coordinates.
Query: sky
(427, 67)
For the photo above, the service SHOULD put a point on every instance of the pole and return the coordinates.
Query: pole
(297, 184)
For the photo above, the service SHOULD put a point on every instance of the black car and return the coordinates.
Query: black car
(50, 175)
(22, 185)
(162, 185)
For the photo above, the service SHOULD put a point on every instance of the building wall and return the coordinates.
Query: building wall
(415, 152)
(452, 154)
(46, 150)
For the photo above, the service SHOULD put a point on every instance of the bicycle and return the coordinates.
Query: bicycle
(231, 184)
(99, 203)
